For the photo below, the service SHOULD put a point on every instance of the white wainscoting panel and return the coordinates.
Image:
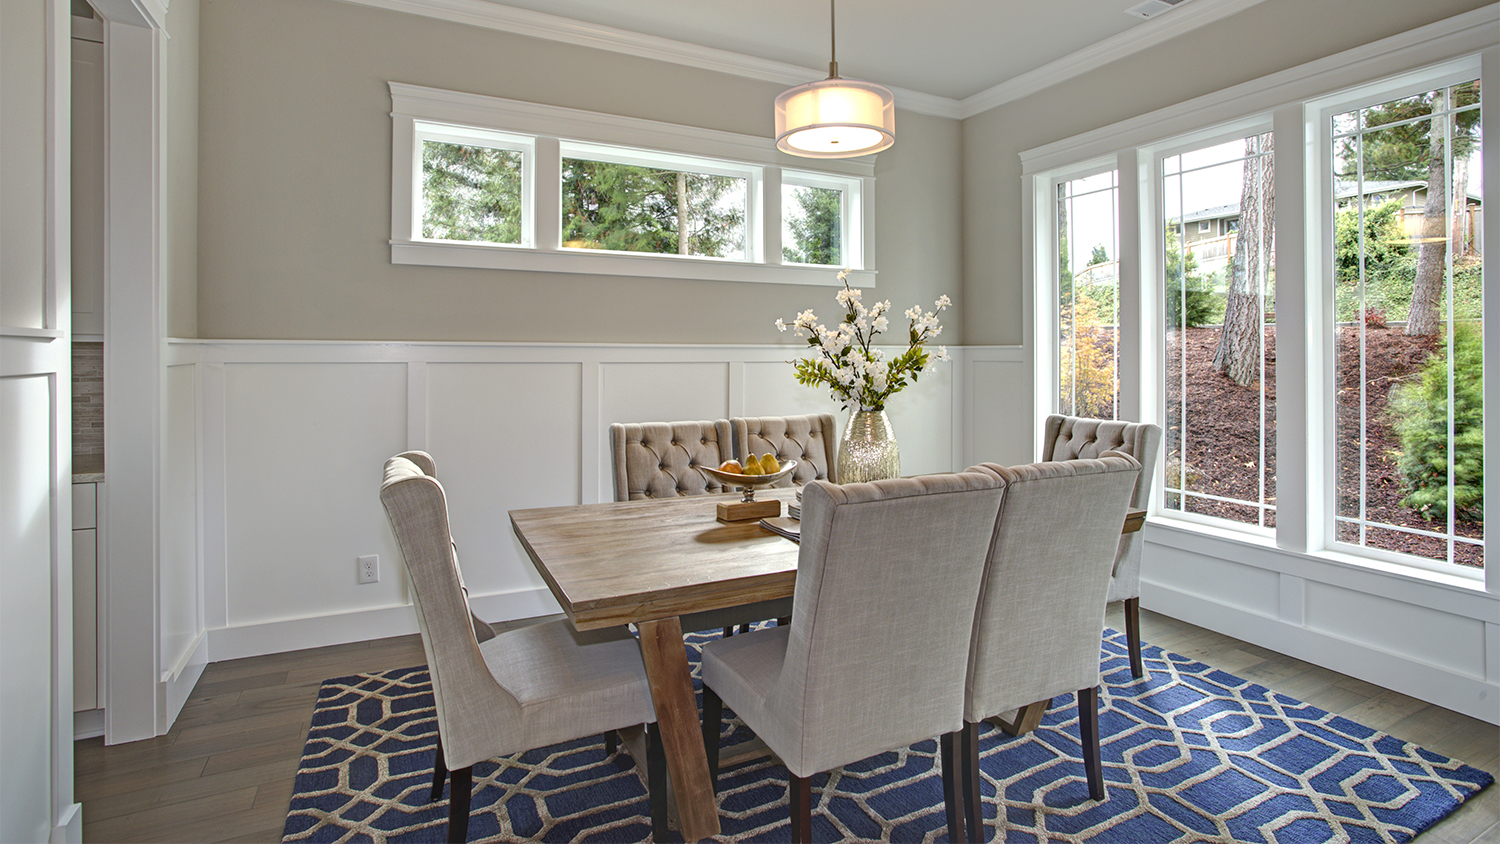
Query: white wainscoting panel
(770, 389)
(1398, 627)
(505, 436)
(304, 447)
(921, 420)
(1224, 582)
(999, 423)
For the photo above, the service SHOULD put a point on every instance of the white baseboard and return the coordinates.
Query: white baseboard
(1471, 696)
(88, 723)
(298, 633)
(69, 827)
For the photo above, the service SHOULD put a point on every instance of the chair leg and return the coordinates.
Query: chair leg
(458, 805)
(968, 741)
(744, 628)
(1133, 636)
(801, 805)
(609, 743)
(784, 621)
(713, 714)
(953, 791)
(729, 631)
(439, 773)
(1088, 730)
(656, 781)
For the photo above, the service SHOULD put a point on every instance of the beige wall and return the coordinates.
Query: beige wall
(294, 195)
(180, 67)
(1266, 38)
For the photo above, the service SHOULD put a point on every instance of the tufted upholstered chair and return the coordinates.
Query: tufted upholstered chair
(661, 459)
(1071, 438)
(810, 440)
(482, 629)
(877, 650)
(1040, 608)
(522, 688)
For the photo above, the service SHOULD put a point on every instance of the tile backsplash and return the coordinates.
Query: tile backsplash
(88, 399)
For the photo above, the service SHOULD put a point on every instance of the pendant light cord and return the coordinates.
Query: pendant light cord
(833, 51)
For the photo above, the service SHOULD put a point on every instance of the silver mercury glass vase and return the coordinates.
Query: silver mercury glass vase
(868, 450)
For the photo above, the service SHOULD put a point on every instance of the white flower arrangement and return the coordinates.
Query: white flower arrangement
(848, 363)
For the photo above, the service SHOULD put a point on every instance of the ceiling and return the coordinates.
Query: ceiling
(954, 49)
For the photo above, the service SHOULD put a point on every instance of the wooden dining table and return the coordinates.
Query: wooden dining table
(649, 563)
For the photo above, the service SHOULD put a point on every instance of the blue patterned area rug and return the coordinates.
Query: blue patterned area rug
(1191, 754)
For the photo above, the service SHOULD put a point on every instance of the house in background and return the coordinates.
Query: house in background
(266, 345)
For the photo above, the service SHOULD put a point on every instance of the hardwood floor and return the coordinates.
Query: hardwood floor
(225, 771)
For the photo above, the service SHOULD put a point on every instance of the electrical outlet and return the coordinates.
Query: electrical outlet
(369, 569)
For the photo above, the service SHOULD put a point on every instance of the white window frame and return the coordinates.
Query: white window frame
(1292, 103)
(752, 251)
(851, 237)
(424, 131)
(551, 129)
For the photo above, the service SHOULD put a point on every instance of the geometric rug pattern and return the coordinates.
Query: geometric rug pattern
(1190, 753)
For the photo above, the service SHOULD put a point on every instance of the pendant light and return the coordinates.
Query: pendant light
(835, 118)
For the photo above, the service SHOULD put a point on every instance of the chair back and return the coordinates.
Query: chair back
(887, 577)
(1041, 605)
(1073, 437)
(661, 459)
(471, 705)
(809, 440)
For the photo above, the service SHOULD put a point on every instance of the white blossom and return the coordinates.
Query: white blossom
(780, 324)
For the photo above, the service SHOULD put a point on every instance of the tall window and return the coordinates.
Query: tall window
(1088, 284)
(1409, 433)
(1220, 332)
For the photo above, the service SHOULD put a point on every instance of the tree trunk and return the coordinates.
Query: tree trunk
(1460, 236)
(1238, 355)
(1432, 257)
(683, 240)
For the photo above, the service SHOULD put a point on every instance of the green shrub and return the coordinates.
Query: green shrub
(1419, 415)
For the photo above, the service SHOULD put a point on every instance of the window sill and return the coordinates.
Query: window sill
(583, 262)
(1324, 565)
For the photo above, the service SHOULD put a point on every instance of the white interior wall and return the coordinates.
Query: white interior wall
(36, 601)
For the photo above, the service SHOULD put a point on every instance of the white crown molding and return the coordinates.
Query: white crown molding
(569, 31)
(495, 16)
(1464, 34)
(1181, 20)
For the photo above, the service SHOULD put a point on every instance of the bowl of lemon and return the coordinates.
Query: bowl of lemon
(754, 472)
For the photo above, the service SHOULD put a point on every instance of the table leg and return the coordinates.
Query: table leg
(677, 717)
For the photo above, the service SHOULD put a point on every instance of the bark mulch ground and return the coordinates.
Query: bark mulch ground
(1222, 443)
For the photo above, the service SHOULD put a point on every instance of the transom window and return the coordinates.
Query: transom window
(484, 182)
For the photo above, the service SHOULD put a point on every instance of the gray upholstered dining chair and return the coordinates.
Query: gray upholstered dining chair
(661, 459)
(482, 629)
(877, 650)
(1073, 437)
(1041, 607)
(522, 688)
(810, 440)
